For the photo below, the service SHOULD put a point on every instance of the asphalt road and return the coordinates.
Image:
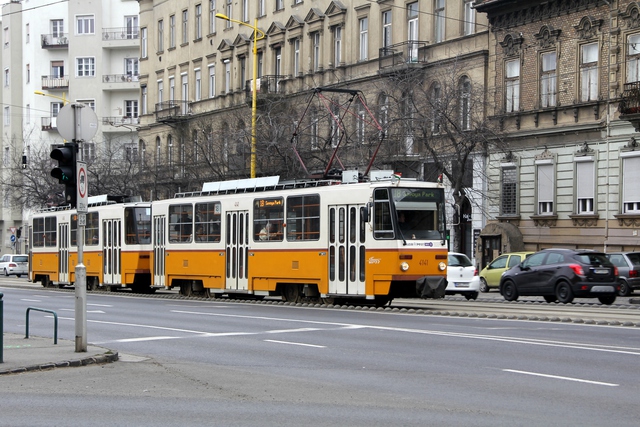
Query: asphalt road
(219, 363)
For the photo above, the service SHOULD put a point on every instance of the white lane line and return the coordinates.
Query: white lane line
(30, 300)
(99, 305)
(557, 377)
(296, 343)
(145, 339)
(88, 311)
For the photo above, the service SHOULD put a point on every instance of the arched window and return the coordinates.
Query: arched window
(435, 101)
(465, 102)
(383, 113)
(158, 149)
(142, 149)
(170, 151)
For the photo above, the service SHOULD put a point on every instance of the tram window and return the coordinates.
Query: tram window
(207, 222)
(38, 232)
(90, 231)
(303, 218)
(137, 225)
(180, 223)
(50, 231)
(382, 225)
(268, 218)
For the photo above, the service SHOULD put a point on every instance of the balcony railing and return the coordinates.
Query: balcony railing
(49, 123)
(55, 41)
(120, 121)
(630, 99)
(55, 82)
(124, 33)
(119, 78)
(172, 110)
(409, 52)
(265, 85)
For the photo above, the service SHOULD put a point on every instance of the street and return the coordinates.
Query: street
(213, 362)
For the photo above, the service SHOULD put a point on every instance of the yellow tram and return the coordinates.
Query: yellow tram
(306, 240)
(117, 245)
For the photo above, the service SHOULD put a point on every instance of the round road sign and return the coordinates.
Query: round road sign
(82, 181)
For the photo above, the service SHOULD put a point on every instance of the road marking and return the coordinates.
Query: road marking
(88, 311)
(31, 300)
(296, 343)
(145, 339)
(557, 377)
(99, 305)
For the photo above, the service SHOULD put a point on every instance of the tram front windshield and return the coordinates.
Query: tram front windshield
(419, 213)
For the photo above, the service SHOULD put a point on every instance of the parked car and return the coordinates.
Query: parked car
(491, 274)
(462, 276)
(561, 275)
(628, 264)
(17, 264)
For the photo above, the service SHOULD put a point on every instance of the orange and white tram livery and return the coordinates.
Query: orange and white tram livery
(117, 245)
(306, 241)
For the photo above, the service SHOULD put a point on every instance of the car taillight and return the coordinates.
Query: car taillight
(475, 273)
(615, 271)
(13, 264)
(633, 273)
(577, 269)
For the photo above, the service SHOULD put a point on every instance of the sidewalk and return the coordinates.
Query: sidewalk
(38, 353)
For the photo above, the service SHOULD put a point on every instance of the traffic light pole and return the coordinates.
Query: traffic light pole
(81, 270)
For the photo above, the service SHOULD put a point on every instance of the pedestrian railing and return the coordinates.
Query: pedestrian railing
(55, 322)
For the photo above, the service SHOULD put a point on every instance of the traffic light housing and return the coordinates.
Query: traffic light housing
(66, 155)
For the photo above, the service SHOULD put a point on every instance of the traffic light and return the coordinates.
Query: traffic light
(66, 170)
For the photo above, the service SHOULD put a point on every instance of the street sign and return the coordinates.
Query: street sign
(77, 122)
(82, 187)
(13, 238)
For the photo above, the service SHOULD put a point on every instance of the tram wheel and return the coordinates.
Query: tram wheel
(186, 290)
(92, 284)
(291, 293)
(45, 281)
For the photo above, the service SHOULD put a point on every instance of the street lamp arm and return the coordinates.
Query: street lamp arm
(260, 34)
(63, 99)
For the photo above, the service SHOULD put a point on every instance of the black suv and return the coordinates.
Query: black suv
(628, 264)
(561, 275)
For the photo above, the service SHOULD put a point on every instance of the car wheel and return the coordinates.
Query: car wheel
(483, 285)
(564, 293)
(509, 291)
(18, 275)
(624, 289)
(608, 300)
(550, 298)
(6, 273)
(471, 295)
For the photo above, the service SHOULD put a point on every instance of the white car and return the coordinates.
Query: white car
(462, 276)
(17, 264)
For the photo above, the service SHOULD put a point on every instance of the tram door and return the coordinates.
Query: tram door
(158, 251)
(111, 251)
(63, 252)
(237, 248)
(346, 250)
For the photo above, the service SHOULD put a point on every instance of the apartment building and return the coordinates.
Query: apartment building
(558, 72)
(313, 58)
(75, 51)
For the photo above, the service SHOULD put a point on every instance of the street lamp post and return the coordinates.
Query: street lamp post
(254, 86)
(63, 99)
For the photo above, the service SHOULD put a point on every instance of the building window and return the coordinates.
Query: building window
(6, 77)
(170, 151)
(212, 16)
(144, 99)
(160, 90)
(160, 35)
(245, 10)
(7, 116)
(337, 45)
(277, 54)
(185, 26)
(198, 21)
(469, 18)
(85, 24)
(57, 28)
(545, 185)
(364, 39)
(585, 185)
(589, 72)
(314, 129)
(439, 21)
(143, 44)
(27, 33)
(361, 121)
(279, 4)
(383, 113)
(333, 123)
(131, 109)
(633, 58)
(229, 13)
(243, 72)
(465, 103)
(184, 83)
(436, 104)
(386, 30)
(263, 8)
(131, 67)
(172, 31)
(412, 30)
(296, 57)
(316, 51)
(198, 88)
(85, 67)
(509, 190)
(548, 79)
(172, 88)
(212, 81)
(227, 76)
(630, 179)
(131, 25)
(512, 84)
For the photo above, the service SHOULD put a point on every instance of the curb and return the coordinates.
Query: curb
(93, 360)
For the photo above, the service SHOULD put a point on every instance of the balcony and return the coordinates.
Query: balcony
(49, 123)
(55, 82)
(172, 111)
(402, 55)
(119, 78)
(124, 37)
(629, 106)
(55, 41)
(267, 87)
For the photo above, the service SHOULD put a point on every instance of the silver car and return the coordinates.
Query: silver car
(628, 264)
(17, 264)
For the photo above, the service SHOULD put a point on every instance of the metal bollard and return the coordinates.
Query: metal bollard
(55, 322)
(1, 326)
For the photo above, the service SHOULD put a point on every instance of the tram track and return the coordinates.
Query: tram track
(624, 313)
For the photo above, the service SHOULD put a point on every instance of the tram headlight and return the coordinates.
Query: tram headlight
(404, 266)
(442, 266)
